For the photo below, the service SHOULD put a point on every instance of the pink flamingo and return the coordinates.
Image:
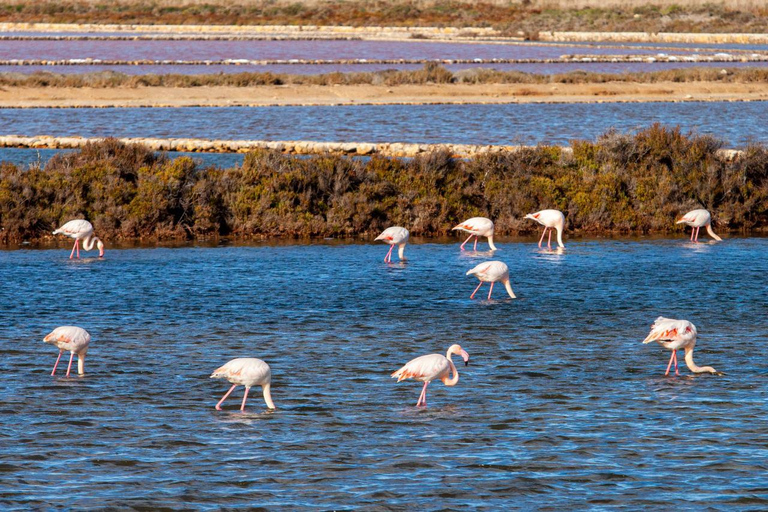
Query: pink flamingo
(74, 339)
(248, 372)
(477, 227)
(394, 236)
(432, 367)
(696, 219)
(492, 272)
(674, 335)
(81, 230)
(550, 219)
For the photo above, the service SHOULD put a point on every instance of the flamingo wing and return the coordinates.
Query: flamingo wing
(424, 368)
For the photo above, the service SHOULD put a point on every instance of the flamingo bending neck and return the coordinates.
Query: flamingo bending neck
(490, 243)
(267, 395)
(692, 366)
(712, 233)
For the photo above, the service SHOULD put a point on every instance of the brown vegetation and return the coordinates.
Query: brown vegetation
(515, 17)
(620, 183)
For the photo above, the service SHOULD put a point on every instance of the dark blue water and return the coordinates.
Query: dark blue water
(734, 122)
(561, 407)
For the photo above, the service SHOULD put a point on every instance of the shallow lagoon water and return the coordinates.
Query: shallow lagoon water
(561, 405)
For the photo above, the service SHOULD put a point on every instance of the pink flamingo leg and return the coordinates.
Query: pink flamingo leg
(218, 405)
(69, 366)
(388, 257)
(542, 237)
(423, 396)
(475, 247)
(676, 372)
(549, 241)
(490, 291)
(245, 397)
(57, 363)
(671, 358)
(697, 234)
(465, 241)
(474, 292)
(77, 244)
(693, 231)
(73, 250)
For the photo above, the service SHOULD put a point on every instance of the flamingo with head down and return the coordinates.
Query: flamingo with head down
(491, 272)
(81, 230)
(248, 372)
(675, 335)
(432, 367)
(74, 339)
(394, 236)
(698, 219)
(477, 227)
(550, 219)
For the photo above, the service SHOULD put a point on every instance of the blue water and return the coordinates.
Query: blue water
(735, 122)
(561, 407)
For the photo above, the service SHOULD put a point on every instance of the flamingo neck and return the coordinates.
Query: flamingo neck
(401, 251)
(81, 364)
(490, 243)
(508, 286)
(559, 228)
(455, 379)
(692, 366)
(712, 233)
(268, 395)
(89, 241)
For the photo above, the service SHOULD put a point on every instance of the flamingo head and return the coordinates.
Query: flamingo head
(100, 245)
(456, 349)
(532, 216)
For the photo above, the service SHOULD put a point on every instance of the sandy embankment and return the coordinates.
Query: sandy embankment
(23, 97)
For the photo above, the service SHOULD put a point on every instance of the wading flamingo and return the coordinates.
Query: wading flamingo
(477, 227)
(81, 230)
(248, 372)
(394, 236)
(550, 219)
(491, 272)
(432, 367)
(674, 335)
(696, 219)
(74, 339)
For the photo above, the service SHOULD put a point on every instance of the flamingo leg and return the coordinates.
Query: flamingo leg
(57, 363)
(675, 354)
(474, 292)
(69, 366)
(218, 405)
(245, 397)
(542, 237)
(465, 241)
(671, 358)
(77, 244)
(423, 396)
(388, 257)
(73, 250)
(475, 247)
(693, 231)
(697, 234)
(490, 291)
(549, 240)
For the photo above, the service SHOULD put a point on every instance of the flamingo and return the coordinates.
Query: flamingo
(74, 339)
(477, 227)
(394, 236)
(674, 335)
(432, 367)
(248, 372)
(696, 219)
(81, 230)
(550, 219)
(492, 272)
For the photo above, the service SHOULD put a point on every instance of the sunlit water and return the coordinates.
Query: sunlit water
(561, 407)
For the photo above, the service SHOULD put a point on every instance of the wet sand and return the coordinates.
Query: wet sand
(27, 97)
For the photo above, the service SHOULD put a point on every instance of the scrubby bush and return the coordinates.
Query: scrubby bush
(621, 182)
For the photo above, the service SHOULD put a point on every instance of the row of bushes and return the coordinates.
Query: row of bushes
(513, 16)
(637, 182)
(431, 73)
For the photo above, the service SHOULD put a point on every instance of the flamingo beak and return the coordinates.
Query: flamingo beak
(465, 357)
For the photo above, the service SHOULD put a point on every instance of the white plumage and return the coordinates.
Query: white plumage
(675, 335)
(394, 236)
(432, 367)
(80, 229)
(71, 338)
(550, 219)
(491, 272)
(697, 219)
(477, 227)
(248, 372)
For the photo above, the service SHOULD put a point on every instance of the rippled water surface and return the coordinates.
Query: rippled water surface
(561, 406)
(734, 122)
